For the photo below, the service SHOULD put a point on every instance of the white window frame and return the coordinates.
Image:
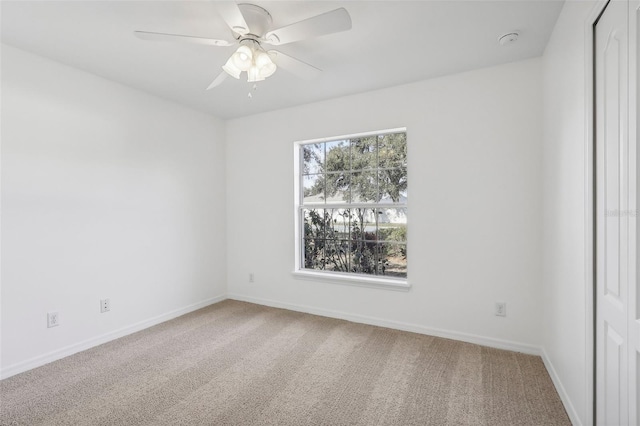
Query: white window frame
(374, 281)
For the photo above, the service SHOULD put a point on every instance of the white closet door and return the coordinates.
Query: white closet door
(616, 256)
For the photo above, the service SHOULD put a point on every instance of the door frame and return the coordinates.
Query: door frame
(590, 209)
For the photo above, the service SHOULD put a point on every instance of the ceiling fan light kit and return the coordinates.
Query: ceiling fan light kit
(251, 26)
(252, 59)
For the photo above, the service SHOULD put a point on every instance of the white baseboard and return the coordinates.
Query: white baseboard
(564, 397)
(40, 360)
(414, 328)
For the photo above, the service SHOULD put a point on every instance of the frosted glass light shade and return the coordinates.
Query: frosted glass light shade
(231, 69)
(265, 65)
(243, 58)
(253, 75)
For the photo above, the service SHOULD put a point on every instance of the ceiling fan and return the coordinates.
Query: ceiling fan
(251, 29)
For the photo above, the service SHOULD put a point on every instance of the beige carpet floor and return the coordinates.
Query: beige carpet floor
(237, 363)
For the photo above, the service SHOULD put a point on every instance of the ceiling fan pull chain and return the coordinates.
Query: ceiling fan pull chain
(255, 87)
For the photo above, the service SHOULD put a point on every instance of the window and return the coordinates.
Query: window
(351, 207)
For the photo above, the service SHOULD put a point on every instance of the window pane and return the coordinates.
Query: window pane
(313, 187)
(364, 187)
(363, 224)
(403, 194)
(362, 257)
(364, 153)
(392, 260)
(392, 224)
(392, 150)
(337, 255)
(337, 187)
(337, 156)
(313, 158)
(337, 224)
(313, 223)
(393, 185)
(313, 254)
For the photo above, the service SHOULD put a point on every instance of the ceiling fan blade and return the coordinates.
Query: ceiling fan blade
(326, 23)
(294, 66)
(231, 14)
(146, 35)
(218, 81)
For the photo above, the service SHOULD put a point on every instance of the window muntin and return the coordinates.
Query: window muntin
(352, 206)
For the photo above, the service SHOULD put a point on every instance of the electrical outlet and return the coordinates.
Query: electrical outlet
(251, 277)
(105, 305)
(53, 319)
(501, 309)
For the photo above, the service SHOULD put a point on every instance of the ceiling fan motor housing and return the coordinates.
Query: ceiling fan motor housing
(258, 20)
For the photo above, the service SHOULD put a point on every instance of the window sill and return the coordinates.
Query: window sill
(355, 280)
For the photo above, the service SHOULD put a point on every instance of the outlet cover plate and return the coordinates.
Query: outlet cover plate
(105, 305)
(53, 319)
(501, 309)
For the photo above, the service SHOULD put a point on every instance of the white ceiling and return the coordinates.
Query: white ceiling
(391, 43)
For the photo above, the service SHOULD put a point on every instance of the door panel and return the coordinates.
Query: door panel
(615, 248)
(613, 359)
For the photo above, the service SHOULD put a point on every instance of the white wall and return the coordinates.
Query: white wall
(567, 322)
(107, 192)
(474, 142)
